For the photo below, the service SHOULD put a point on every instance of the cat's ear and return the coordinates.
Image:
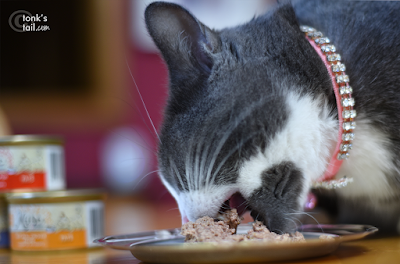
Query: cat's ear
(286, 11)
(183, 41)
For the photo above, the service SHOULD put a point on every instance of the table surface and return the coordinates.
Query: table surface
(129, 215)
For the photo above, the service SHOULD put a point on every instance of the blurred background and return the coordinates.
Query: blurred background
(72, 78)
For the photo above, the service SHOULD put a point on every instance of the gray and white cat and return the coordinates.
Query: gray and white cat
(252, 121)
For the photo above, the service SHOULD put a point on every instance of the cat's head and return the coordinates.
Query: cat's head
(248, 117)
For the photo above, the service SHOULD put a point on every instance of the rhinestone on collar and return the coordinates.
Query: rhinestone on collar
(345, 104)
(333, 184)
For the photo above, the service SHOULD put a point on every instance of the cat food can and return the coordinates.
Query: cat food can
(55, 220)
(4, 236)
(31, 163)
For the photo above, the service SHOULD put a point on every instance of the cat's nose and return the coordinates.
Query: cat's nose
(184, 219)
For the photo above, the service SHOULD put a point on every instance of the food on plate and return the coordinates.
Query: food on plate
(261, 232)
(325, 237)
(206, 229)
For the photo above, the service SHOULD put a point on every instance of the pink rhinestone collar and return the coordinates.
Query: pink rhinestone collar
(345, 106)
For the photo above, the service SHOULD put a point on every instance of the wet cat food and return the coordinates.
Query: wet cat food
(206, 229)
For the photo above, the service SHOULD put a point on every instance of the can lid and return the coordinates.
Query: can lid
(84, 193)
(30, 139)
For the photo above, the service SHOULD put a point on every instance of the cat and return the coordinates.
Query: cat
(251, 120)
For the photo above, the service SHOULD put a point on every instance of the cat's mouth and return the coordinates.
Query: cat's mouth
(236, 201)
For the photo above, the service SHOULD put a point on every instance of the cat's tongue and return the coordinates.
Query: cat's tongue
(311, 202)
(237, 201)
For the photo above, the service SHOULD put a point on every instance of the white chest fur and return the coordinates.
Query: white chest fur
(306, 140)
(369, 164)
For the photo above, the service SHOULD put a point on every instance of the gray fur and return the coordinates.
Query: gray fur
(227, 90)
(367, 33)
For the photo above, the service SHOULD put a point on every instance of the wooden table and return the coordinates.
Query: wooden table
(129, 215)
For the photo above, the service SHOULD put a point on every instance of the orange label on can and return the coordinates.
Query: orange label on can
(41, 240)
(49, 226)
(23, 180)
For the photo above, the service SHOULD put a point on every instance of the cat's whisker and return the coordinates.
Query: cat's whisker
(172, 209)
(194, 164)
(230, 153)
(309, 215)
(198, 162)
(298, 220)
(134, 105)
(241, 118)
(278, 231)
(178, 175)
(188, 166)
(214, 157)
(204, 157)
(141, 99)
(209, 158)
(290, 219)
(144, 177)
(255, 219)
(136, 142)
(246, 208)
(218, 148)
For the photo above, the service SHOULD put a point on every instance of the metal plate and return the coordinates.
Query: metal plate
(347, 232)
(167, 246)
